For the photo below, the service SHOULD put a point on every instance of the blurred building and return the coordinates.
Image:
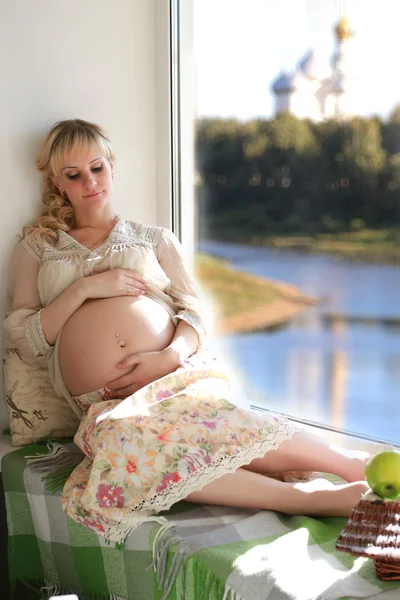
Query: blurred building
(316, 89)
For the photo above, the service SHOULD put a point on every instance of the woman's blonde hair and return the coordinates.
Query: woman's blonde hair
(64, 137)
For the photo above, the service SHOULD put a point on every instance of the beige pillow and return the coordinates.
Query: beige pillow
(34, 410)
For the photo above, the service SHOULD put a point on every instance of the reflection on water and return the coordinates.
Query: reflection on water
(341, 371)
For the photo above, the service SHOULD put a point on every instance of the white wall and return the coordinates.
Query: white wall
(101, 60)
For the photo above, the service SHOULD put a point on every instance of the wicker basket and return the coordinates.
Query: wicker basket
(373, 530)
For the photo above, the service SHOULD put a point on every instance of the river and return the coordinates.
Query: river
(343, 372)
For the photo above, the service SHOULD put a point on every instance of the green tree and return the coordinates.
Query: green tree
(362, 150)
(391, 132)
(293, 175)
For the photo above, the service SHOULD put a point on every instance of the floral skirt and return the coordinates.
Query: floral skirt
(154, 448)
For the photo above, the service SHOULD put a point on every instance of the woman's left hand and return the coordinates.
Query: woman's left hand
(146, 368)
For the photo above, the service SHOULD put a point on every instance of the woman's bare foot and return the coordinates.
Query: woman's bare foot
(353, 467)
(323, 498)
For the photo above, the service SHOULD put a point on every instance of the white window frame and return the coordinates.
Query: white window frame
(174, 116)
(163, 91)
(182, 123)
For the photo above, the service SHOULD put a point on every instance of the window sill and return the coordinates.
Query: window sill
(347, 440)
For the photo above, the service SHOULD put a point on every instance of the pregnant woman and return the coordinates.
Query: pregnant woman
(110, 307)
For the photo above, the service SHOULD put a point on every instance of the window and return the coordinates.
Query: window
(297, 203)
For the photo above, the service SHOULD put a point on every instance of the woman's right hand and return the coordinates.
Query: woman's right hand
(115, 282)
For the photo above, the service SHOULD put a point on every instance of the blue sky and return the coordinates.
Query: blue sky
(241, 45)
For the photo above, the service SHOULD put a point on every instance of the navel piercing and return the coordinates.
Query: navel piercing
(121, 341)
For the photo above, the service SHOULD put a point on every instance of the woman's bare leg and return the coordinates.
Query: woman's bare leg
(247, 489)
(307, 452)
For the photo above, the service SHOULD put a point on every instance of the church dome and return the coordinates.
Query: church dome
(287, 82)
(282, 84)
(343, 29)
(314, 65)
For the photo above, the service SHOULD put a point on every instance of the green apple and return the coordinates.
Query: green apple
(383, 474)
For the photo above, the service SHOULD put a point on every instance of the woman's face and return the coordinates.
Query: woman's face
(86, 178)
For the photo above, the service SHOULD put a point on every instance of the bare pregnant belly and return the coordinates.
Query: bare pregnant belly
(89, 349)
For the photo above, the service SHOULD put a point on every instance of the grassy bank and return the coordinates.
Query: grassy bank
(244, 302)
(367, 245)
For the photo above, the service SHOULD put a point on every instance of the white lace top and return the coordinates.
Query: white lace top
(41, 271)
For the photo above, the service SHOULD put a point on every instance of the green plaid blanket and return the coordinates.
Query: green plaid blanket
(211, 552)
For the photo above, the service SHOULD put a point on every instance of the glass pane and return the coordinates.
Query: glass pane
(298, 191)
